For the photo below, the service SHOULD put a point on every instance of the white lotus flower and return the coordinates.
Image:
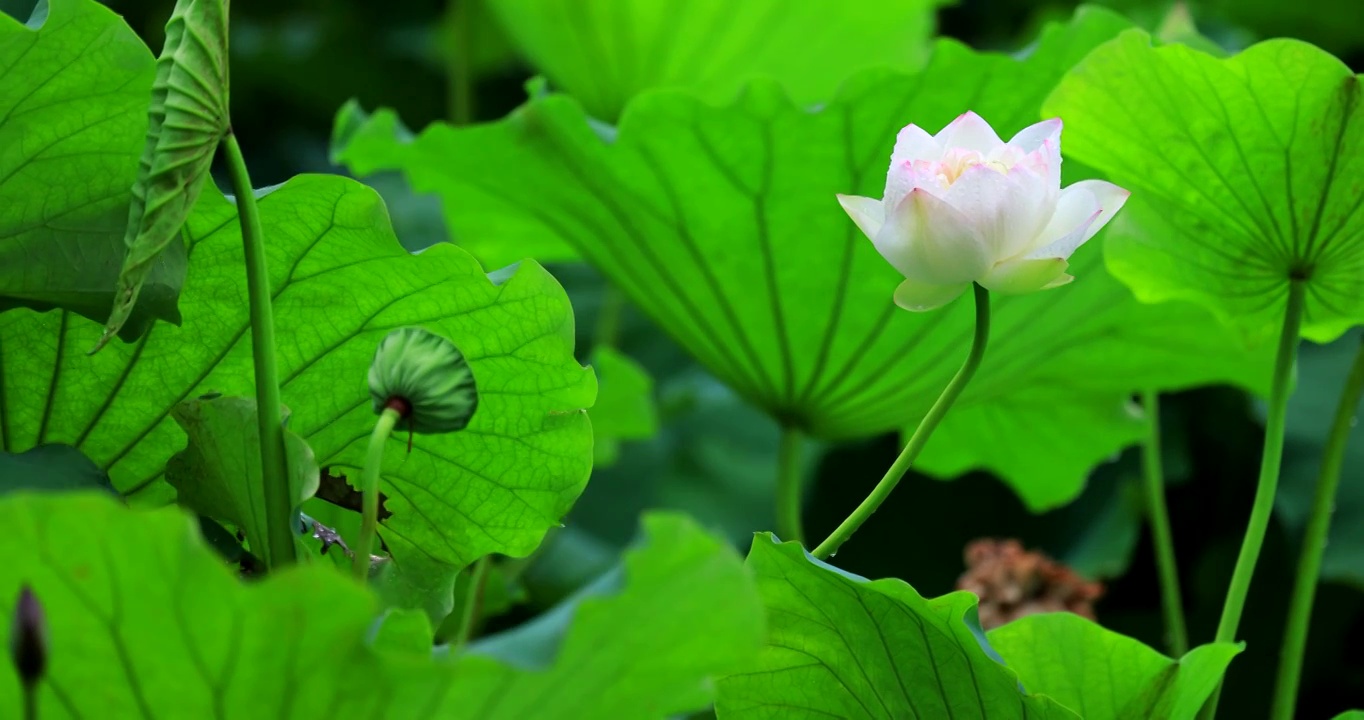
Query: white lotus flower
(964, 206)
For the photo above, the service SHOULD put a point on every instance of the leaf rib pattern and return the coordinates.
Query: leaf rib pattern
(339, 281)
(1245, 174)
(843, 646)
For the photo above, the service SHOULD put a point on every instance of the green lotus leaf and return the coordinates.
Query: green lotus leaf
(625, 405)
(1106, 676)
(219, 472)
(187, 118)
(843, 646)
(721, 224)
(50, 467)
(340, 282)
(645, 640)
(605, 52)
(74, 87)
(1244, 172)
(144, 620)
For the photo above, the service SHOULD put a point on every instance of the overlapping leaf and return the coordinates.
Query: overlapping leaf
(74, 85)
(721, 224)
(188, 115)
(625, 405)
(145, 621)
(340, 282)
(605, 52)
(1106, 676)
(219, 473)
(847, 647)
(712, 459)
(641, 642)
(50, 468)
(1245, 173)
(1321, 23)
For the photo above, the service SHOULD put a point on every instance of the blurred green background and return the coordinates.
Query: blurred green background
(295, 62)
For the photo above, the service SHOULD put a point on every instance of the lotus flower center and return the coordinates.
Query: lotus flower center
(956, 161)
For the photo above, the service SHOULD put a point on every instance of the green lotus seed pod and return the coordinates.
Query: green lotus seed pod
(426, 378)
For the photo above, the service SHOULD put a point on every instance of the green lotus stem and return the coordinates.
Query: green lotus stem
(789, 526)
(369, 489)
(1267, 486)
(609, 317)
(280, 550)
(920, 437)
(1177, 635)
(468, 611)
(1314, 543)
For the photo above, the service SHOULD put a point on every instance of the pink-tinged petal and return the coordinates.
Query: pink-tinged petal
(1045, 162)
(1076, 210)
(969, 131)
(864, 211)
(1067, 244)
(906, 176)
(1041, 145)
(1111, 198)
(930, 242)
(914, 143)
(919, 297)
(1015, 277)
(1007, 209)
(1082, 210)
(1030, 138)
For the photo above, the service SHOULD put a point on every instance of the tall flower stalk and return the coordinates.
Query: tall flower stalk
(394, 411)
(1171, 600)
(965, 209)
(421, 380)
(921, 434)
